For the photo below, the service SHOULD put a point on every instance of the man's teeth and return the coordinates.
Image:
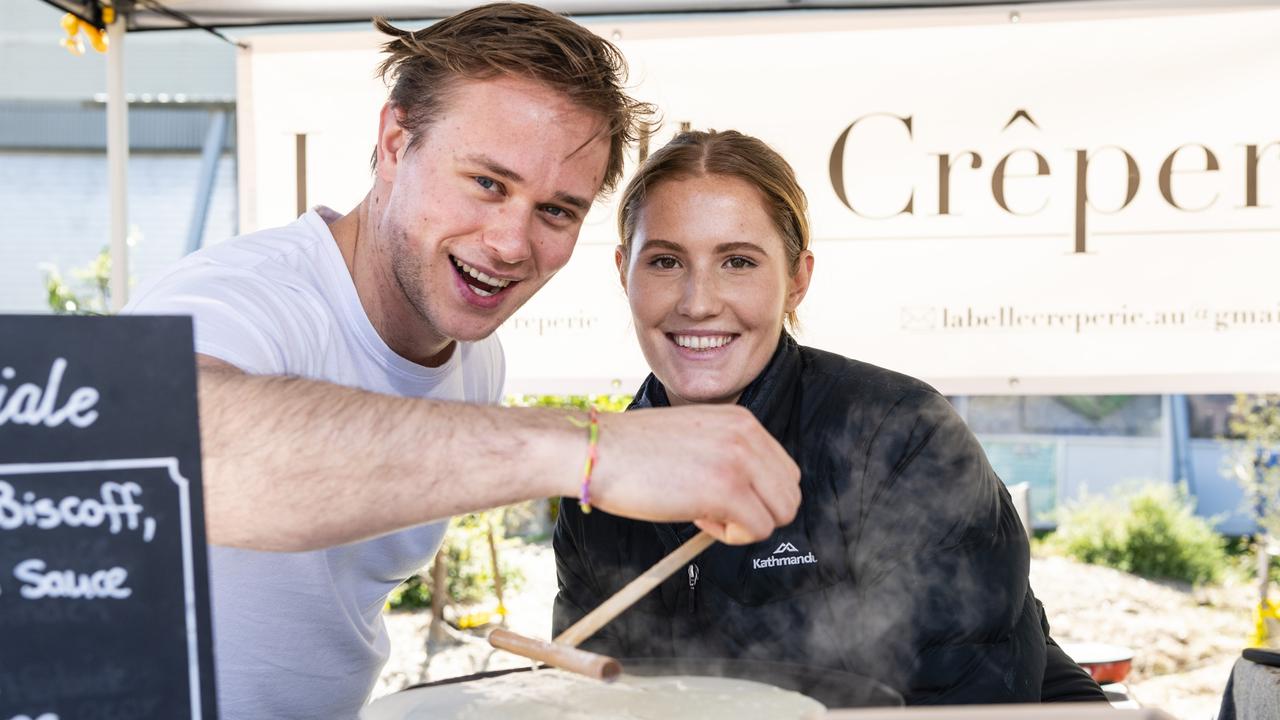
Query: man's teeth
(702, 342)
(486, 279)
(478, 291)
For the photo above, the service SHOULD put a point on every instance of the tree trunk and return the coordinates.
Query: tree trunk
(439, 597)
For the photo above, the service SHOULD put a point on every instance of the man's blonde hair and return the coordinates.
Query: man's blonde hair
(519, 40)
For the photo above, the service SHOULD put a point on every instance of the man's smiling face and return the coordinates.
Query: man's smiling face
(487, 205)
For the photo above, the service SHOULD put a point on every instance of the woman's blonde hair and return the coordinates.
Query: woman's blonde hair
(729, 153)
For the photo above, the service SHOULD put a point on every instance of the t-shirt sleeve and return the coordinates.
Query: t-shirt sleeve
(240, 318)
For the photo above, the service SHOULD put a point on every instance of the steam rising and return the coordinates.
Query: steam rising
(921, 573)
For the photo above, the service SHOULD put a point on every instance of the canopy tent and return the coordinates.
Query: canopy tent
(146, 15)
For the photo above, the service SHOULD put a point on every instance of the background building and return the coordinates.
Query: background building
(53, 163)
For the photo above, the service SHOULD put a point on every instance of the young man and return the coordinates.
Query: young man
(330, 351)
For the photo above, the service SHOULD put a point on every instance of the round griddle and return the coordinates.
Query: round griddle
(832, 688)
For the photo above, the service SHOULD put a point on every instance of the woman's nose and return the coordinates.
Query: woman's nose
(700, 297)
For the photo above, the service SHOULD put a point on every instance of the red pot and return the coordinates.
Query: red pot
(1105, 663)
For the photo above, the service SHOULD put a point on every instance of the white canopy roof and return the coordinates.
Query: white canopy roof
(172, 14)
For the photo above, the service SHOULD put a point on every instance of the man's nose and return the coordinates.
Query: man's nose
(510, 235)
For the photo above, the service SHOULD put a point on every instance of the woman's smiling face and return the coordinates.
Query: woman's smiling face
(709, 284)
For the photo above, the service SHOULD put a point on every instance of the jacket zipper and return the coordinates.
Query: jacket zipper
(693, 586)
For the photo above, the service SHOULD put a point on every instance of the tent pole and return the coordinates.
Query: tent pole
(118, 163)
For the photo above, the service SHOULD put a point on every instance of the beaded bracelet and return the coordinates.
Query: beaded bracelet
(593, 444)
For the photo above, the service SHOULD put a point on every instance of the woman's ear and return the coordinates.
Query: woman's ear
(620, 259)
(392, 138)
(800, 280)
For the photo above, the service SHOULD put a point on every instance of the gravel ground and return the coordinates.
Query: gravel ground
(467, 652)
(1185, 641)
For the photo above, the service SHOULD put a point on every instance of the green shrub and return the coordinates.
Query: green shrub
(412, 594)
(1152, 533)
(89, 293)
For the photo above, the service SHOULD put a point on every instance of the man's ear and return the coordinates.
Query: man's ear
(620, 259)
(800, 281)
(392, 140)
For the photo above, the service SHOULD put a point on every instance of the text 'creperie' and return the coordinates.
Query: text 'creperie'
(1108, 165)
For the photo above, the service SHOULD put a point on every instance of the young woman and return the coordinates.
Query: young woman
(906, 562)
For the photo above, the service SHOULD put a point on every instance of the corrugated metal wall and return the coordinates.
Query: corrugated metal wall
(60, 125)
(54, 195)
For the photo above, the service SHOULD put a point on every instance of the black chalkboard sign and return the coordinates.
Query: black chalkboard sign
(104, 602)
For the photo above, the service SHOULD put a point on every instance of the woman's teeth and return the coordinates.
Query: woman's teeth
(702, 342)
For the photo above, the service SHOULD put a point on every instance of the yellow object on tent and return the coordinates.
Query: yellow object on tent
(73, 26)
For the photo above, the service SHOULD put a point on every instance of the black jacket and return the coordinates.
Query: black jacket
(906, 561)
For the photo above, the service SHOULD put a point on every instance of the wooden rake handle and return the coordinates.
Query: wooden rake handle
(633, 591)
(563, 652)
(593, 665)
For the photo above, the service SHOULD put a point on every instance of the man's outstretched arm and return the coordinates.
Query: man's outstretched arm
(292, 464)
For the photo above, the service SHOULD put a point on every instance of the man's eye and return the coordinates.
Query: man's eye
(556, 211)
(737, 262)
(486, 183)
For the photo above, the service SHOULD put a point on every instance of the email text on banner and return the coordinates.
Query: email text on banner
(932, 318)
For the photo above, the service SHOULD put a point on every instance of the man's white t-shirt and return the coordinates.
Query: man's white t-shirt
(300, 635)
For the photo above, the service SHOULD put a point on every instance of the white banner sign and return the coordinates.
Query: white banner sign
(1051, 200)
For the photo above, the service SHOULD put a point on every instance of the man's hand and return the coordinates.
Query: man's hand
(714, 464)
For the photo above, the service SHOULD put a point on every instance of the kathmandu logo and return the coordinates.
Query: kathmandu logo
(780, 557)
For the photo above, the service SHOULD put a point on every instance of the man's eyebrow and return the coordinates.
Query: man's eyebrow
(573, 201)
(496, 168)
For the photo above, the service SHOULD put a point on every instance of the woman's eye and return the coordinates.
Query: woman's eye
(738, 262)
(486, 183)
(664, 262)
